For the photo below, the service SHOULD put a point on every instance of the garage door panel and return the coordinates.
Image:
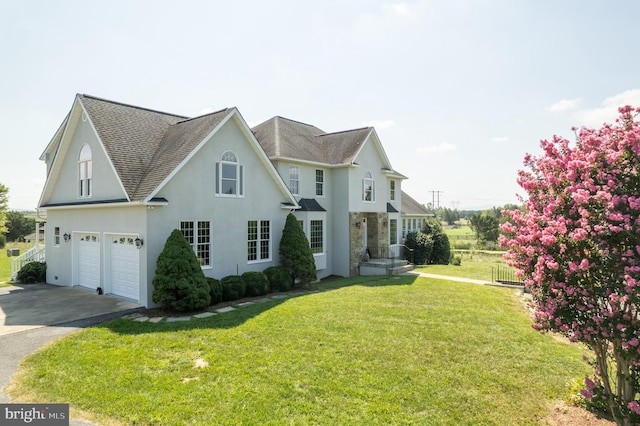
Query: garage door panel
(89, 260)
(125, 267)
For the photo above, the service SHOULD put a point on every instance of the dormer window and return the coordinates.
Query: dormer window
(368, 188)
(229, 176)
(85, 172)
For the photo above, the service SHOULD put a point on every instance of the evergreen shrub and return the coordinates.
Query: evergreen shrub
(295, 252)
(233, 287)
(257, 283)
(215, 290)
(32, 272)
(279, 279)
(422, 246)
(179, 283)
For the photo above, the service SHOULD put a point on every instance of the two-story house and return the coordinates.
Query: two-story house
(120, 178)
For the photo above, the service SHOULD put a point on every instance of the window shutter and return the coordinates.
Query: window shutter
(241, 181)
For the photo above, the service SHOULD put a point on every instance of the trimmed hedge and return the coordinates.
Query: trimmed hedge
(32, 272)
(233, 287)
(279, 279)
(257, 283)
(216, 290)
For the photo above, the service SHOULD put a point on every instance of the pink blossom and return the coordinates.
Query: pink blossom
(634, 406)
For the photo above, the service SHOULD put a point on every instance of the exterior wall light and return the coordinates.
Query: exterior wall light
(66, 237)
(138, 242)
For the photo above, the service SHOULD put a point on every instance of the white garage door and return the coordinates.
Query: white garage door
(89, 260)
(125, 267)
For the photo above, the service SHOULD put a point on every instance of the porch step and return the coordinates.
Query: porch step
(385, 267)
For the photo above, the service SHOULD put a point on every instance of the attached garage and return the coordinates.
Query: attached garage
(123, 267)
(88, 264)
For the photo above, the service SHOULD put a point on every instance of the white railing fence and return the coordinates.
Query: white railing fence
(35, 254)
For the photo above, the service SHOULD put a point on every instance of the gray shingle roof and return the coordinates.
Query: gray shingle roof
(310, 205)
(145, 146)
(284, 138)
(412, 207)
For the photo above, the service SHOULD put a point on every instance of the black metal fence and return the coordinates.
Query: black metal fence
(502, 275)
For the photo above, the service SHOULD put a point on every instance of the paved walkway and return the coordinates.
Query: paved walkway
(448, 278)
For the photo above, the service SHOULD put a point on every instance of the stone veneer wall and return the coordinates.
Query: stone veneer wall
(377, 237)
(355, 242)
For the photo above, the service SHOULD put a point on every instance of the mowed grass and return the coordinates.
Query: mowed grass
(5, 261)
(475, 264)
(391, 350)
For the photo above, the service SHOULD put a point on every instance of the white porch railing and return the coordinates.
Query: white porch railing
(35, 254)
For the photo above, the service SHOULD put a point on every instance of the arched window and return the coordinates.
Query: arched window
(85, 172)
(368, 188)
(229, 176)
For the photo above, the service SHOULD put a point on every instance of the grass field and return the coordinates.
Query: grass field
(373, 350)
(475, 264)
(5, 261)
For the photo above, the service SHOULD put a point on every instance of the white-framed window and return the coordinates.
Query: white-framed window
(319, 183)
(56, 236)
(85, 172)
(198, 235)
(316, 236)
(294, 179)
(229, 176)
(258, 241)
(393, 231)
(392, 190)
(368, 188)
(404, 228)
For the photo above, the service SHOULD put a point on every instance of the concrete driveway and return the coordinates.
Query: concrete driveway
(25, 307)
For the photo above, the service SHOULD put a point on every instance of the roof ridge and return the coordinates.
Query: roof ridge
(346, 131)
(132, 106)
(204, 115)
(296, 121)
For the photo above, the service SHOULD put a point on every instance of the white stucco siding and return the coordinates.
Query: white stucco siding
(339, 230)
(105, 184)
(369, 161)
(191, 196)
(62, 260)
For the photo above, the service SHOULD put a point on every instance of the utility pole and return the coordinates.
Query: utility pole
(435, 199)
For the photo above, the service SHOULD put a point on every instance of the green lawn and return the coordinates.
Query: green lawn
(5, 261)
(475, 264)
(461, 237)
(400, 350)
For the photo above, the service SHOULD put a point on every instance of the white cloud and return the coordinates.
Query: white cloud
(500, 139)
(608, 112)
(398, 9)
(565, 105)
(380, 124)
(443, 147)
(376, 26)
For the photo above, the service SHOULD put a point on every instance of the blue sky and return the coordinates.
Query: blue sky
(458, 91)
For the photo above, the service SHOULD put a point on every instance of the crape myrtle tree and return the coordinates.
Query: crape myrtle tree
(577, 245)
